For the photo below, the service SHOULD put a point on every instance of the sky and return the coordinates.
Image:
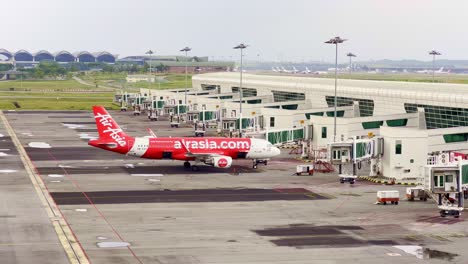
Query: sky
(275, 30)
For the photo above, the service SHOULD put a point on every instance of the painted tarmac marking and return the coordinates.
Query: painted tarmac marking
(147, 175)
(7, 171)
(95, 207)
(67, 238)
(113, 244)
(39, 145)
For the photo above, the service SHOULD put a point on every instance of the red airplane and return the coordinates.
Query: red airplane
(215, 151)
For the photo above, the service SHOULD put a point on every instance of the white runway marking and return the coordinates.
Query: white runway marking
(55, 175)
(112, 244)
(7, 171)
(81, 210)
(153, 180)
(39, 145)
(147, 175)
(74, 126)
(3, 154)
(87, 136)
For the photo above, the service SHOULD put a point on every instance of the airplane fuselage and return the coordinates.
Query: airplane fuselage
(176, 148)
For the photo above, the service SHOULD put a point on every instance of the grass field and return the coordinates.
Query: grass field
(168, 81)
(54, 104)
(43, 85)
(51, 95)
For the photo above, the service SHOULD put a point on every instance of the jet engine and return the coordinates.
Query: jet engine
(222, 162)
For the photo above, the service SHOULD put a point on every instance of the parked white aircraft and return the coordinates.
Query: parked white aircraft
(294, 70)
(441, 71)
(284, 70)
(274, 69)
(306, 71)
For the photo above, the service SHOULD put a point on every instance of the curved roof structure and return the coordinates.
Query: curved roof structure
(61, 56)
(43, 55)
(104, 56)
(23, 55)
(85, 56)
(64, 56)
(6, 53)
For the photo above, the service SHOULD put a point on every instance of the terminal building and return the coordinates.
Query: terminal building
(24, 56)
(417, 120)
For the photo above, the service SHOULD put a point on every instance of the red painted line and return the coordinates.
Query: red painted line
(95, 207)
(60, 211)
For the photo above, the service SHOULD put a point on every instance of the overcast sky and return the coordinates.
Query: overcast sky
(282, 30)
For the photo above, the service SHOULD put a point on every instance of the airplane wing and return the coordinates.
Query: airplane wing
(152, 134)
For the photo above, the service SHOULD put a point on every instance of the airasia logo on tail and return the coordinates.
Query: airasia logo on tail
(222, 163)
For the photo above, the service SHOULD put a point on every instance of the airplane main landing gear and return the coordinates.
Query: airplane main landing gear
(256, 162)
(187, 165)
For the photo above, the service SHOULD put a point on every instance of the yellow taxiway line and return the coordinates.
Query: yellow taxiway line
(72, 247)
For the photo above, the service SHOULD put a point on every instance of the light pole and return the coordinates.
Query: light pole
(434, 53)
(335, 41)
(186, 49)
(150, 53)
(350, 55)
(241, 47)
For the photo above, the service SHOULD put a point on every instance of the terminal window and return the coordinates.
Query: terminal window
(272, 122)
(281, 96)
(398, 147)
(366, 106)
(324, 132)
(246, 92)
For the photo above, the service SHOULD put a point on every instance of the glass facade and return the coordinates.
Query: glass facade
(451, 138)
(282, 96)
(372, 124)
(441, 116)
(366, 106)
(316, 114)
(397, 122)
(246, 92)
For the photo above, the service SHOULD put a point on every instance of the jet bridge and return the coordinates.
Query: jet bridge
(354, 151)
(446, 183)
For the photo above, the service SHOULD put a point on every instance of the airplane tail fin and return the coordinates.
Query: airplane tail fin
(111, 136)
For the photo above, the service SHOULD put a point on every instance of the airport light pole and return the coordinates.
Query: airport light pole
(434, 53)
(350, 55)
(335, 41)
(186, 50)
(241, 47)
(150, 53)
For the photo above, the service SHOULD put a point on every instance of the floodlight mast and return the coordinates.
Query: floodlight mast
(434, 53)
(350, 55)
(335, 41)
(150, 53)
(186, 50)
(241, 47)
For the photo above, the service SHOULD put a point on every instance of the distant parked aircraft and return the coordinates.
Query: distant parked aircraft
(284, 70)
(306, 71)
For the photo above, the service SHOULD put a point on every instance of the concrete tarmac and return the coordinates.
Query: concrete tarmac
(127, 210)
